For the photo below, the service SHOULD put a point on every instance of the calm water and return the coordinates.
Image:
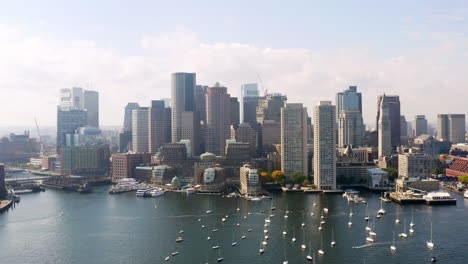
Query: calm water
(63, 227)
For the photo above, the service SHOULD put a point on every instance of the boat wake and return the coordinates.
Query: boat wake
(372, 244)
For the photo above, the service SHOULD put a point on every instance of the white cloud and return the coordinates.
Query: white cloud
(33, 69)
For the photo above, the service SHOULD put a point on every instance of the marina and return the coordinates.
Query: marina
(111, 223)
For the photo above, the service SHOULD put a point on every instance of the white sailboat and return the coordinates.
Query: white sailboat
(320, 251)
(351, 212)
(367, 213)
(219, 256)
(404, 235)
(350, 223)
(293, 239)
(261, 250)
(372, 232)
(333, 243)
(397, 220)
(309, 257)
(430, 244)
(234, 243)
(412, 220)
(393, 247)
(303, 224)
(381, 210)
(303, 246)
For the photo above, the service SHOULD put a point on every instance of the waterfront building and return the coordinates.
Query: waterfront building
(124, 164)
(349, 100)
(249, 180)
(458, 167)
(385, 127)
(350, 128)
(68, 120)
(18, 147)
(140, 129)
(159, 125)
(294, 139)
(235, 115)
(431, 146)
(48, 162)
(377, 178)
(175, 156)
(2, 181)
(218, 117)
(183, 100)
(245, 133)
(419, 125)
(392, 106)
(85, 160)
(352, 166)
(324, 159)
(415, 165)
(212, 179)
(451, 127)
(162, 175)
(248, 103)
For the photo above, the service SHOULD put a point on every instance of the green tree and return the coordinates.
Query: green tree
(438, 171)
(278, 177)
(297, 178)
(392, 173)
(463, 179)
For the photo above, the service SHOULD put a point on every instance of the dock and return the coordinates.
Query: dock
(5, 204)
(402, 198)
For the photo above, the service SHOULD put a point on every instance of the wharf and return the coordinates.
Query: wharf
(405, 199)
(285, 189)
(5, 204)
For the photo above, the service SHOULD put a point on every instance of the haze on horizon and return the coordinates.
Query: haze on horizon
(308, 50)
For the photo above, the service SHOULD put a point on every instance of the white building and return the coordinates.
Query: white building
(249, 180)
(377, 178)
(294, 139)
(325, 146)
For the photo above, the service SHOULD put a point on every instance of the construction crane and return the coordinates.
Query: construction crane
(39, 134)
(265, 92)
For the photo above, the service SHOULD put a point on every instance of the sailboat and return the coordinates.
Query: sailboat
(320, 251)
(293, 239)
(350, 223)
(309, 257)
(208, 211)
(303, 224)
(392, 247)
(351, 212)
(372, 232)
(367, 213)
(381, 210)
(333, 243)
(412, 223)
(261, 250)
(303, 246)
(284, 252)
(404, 235)
(430, 243)
(397, 220)
(233, 242)
(272, 207)
(284, 230)
(219, 256)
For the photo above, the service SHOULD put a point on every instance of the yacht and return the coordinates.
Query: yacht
(397, 220)
(430, 243)
(439, 197)
(156, 192)
(167, 258)
(381, 210)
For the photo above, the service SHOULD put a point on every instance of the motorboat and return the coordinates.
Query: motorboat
(179, 239)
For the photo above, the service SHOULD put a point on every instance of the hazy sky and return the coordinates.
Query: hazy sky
(309, 50)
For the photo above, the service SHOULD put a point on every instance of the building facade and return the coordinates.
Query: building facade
(124, 164)
(350, 128)
(218, 118)
(140, 129)
(392, 104)
(67, 123)
(419, 125)
(349, 100)
(249, 180)
(182, 100)
(415, 165)
(85, 160)
(248, 103)
(385, 128)
(159, 125)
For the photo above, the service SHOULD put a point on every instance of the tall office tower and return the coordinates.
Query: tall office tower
(293, 139)
(78, 99)
(125, 137)
(183, 100)
(350, 129)
(349, 100)
(457, 128)
(403, 126)
(443, 127)
(385, 125)
(140, 130)
(235, 116)
(419, 125)
(67, 123)
(200, 101)
(393, 105)
(245, 133)
(248, 103)
(91, 104)
(324, 159)
(269, 107)
(127, 126)
(159, 125)
(218, 117)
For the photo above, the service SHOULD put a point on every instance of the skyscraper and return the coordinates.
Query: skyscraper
(385, 127)
(443, 127)
(234, 111)
(451, 127)
(183, 100)
(91, 104)
(68, 121)
(324, 159)
(393, 106)
(159, 126)
(78, 99)
(419, 125)
(248, 103)
(403, 126)
(125, 137)
(140, 130)
(350, 128)
(349, 100)
(293, 139)
(218, 118)
(245, 133)
(269, 121)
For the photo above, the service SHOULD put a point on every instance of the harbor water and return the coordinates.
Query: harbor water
(68, 227)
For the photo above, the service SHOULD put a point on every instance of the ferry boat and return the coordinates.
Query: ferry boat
(156, 192)
(439, 197)
(125, 185)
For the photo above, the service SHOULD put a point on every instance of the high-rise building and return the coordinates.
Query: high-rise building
(248, 103)
(269, 107)
(349, 100)
(419, 125)
(393, 105)
(451, 127)
(245, 133)
(293, 139)
(234, 111)
(125, 137)
(350, 128)
(127, 126)
(324, 159)
(403, 126)
(78, 99)
(91, 104)
(140, 130)
(250, 180)
(159, 126)
(190, 130)
(183, 100)
(67, 123)
(385, 125)
(200, 101)
(218, 118)
(416, 165)
(87, 159)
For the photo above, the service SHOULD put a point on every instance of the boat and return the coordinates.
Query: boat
(215, 247)
(243, 237)
(333, 243)
(430, 244)
(293, 239)
(215, 230)
(219, 256)
(234, 243)
(434, 259)
(351, 212)
(350, 223)
(369, 239)
(167, 258)
(249, 230)
(325, 210)
(181, 231)
(309, 256)
(392, 247)
(261, 250)
(267, 237)
(175, 253)
(320, 251)
(179, 239)
(439, 197)
(156, 192)
(208, 211)
(303, 245)
(22, 191)
(412, 223)
(367, 213)
(465, 194)
(143, 192)
(404, 235)
(397, 220)
(381, 210)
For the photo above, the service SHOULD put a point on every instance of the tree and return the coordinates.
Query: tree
(297, 178)
(438, 171)
(278, 177)
(392, 173)
(463, 179)
(265, 177)
(306, 182)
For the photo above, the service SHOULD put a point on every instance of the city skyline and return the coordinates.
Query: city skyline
(423, 56)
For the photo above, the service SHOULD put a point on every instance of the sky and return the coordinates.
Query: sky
(308, 50)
